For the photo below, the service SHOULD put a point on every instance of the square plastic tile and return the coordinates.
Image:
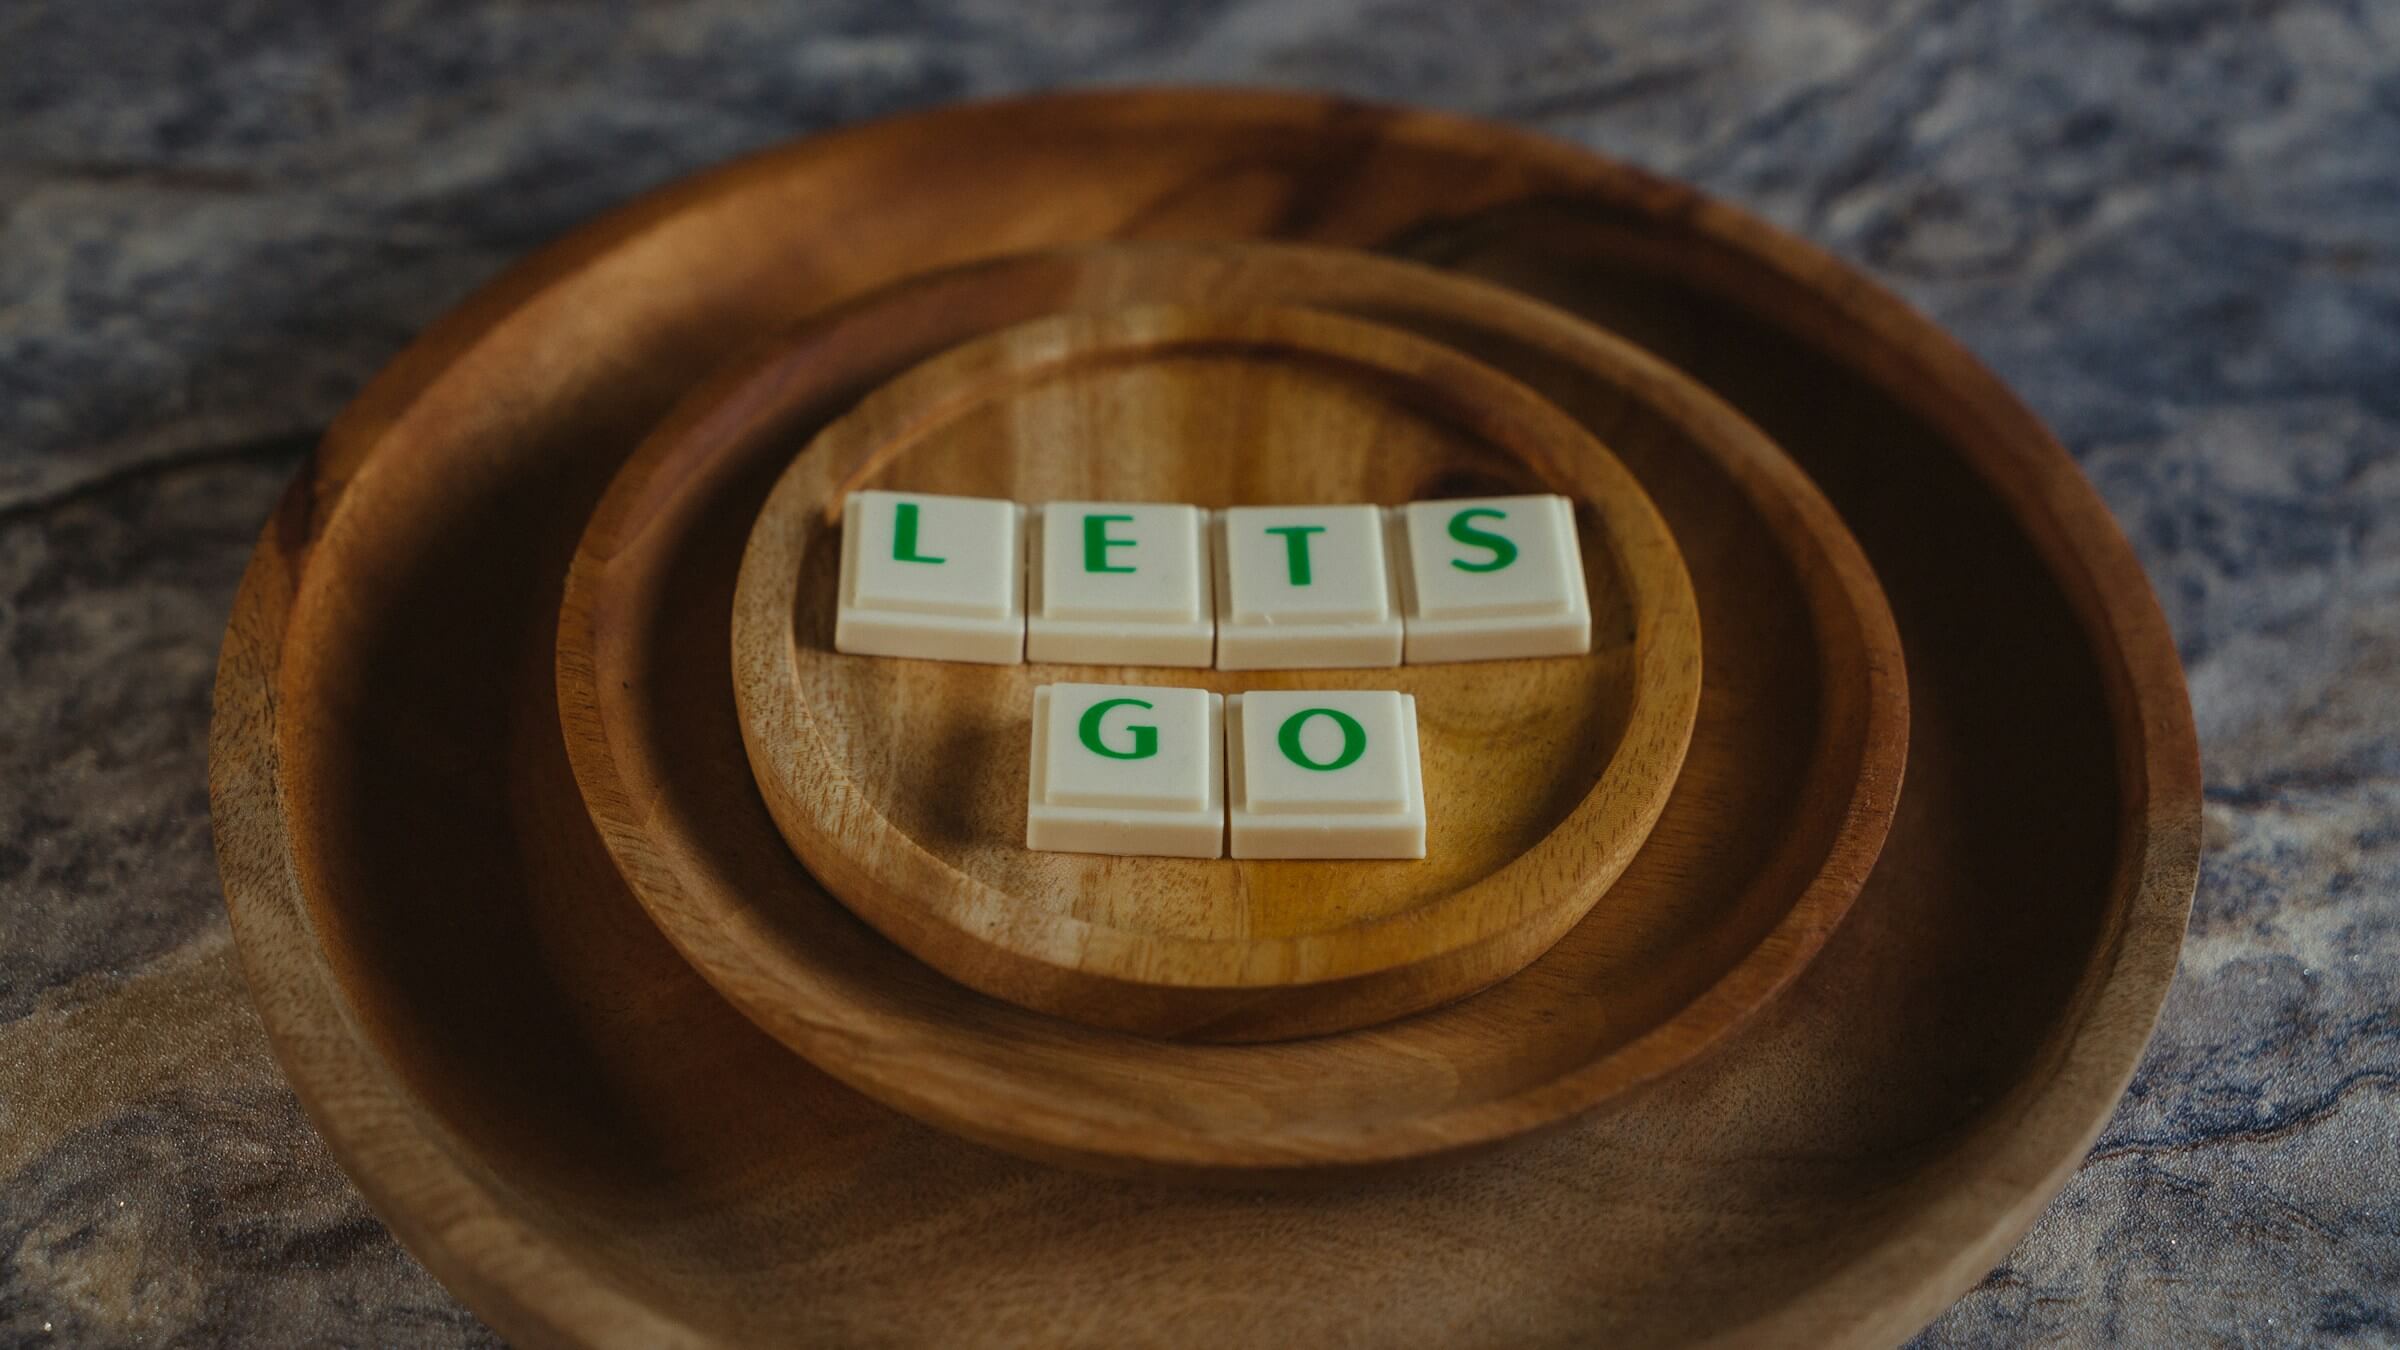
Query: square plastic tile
(932, 576)
(1120, 583)
(1331, 774)
(1130, 769)
(1491, 577)
(1304, 587)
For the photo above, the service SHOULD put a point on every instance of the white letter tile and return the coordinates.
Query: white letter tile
(1331, 774)
(1304, 587)
(1120, 583)
(931, 576)
(1491, 577)
(1130, 769)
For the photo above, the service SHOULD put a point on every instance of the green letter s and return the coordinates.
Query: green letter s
(1504, 551)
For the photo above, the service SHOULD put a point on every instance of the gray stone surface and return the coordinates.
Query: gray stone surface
(2173, 225)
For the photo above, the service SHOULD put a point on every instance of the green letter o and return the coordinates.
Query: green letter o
(1354, 739)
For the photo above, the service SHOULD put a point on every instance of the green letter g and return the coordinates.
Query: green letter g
(1145, 738)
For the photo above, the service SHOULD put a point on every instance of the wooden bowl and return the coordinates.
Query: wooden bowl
(589, 1145)
(901, 784)
(1774, 821)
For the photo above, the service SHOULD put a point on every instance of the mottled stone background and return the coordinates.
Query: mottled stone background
(2173, 225)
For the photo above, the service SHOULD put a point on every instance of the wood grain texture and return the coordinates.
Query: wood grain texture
(590, 1146)
(902, 785)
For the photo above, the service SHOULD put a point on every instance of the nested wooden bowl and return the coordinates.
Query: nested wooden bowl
(902, 784)
(1774, 821)
(589, 1144)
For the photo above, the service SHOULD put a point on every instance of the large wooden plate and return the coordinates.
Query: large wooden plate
(1775, 819)
(588, 1144)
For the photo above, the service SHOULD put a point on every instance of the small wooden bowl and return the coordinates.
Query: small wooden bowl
(901, 784)
(1772, 825)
